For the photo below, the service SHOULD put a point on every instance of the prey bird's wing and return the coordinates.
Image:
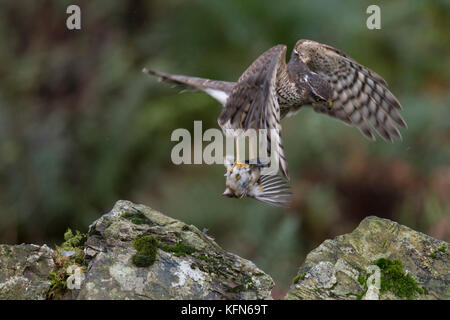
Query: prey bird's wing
(273, 190)
(219, 90)
(360, 96)
(253, 102)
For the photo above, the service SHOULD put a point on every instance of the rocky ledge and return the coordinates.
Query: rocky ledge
(380, 259)
(135, 252)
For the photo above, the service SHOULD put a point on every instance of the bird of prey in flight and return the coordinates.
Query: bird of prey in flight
(317, 75)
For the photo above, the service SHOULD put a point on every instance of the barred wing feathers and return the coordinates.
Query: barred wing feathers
(360, 96)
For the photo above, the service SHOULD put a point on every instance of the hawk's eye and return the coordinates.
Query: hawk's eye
(238, 177)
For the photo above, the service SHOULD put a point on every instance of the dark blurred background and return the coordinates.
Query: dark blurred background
(81, 126)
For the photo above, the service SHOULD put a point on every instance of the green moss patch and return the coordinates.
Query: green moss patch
(147, 247)
(362, 279)
(136, 218)
(179, 249)
(72, 240)
(69, 253)
(207, 259)
(394, 279)
(299, 277)
(437, 252)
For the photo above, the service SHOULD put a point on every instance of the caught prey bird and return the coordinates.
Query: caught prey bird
(317, 75)
(247, 180)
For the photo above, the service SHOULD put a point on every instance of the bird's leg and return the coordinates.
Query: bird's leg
(254, 155)
(252, 152)
(239, 161)
(228, 160)
(255, 164)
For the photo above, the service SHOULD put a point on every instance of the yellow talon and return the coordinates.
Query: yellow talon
(330, 103)
(239, 164)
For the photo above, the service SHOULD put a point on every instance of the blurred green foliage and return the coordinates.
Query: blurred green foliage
(81, 126)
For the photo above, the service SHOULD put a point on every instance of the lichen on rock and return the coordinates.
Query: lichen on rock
(24, 271)
(135, 252)
(380, 259)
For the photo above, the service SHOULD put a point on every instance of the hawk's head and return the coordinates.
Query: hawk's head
(320, 90)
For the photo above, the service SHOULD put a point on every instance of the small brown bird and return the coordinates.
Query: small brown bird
(317, 75)
(246, 180)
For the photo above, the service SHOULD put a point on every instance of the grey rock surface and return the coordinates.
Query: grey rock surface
(188, 264)
(343, 268)
(135, 252)
(24, 271)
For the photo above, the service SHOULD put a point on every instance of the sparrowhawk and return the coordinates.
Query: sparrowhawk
(317, 75)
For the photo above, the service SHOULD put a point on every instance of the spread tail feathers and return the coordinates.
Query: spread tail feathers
(219, 90)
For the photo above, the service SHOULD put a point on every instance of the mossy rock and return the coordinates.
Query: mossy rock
(380, 259)
(135, 252)
(24, 271)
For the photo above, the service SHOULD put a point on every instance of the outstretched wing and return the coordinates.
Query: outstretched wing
(360, 96)
(253, 102)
